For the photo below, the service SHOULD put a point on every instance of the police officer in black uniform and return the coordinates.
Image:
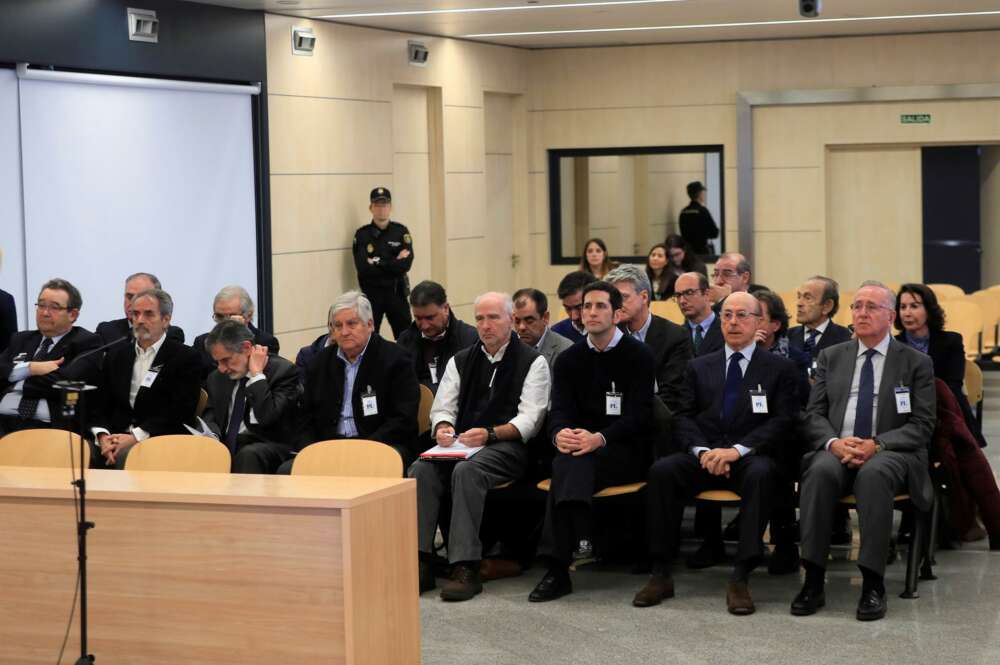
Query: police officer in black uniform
(696, 222)
(383, 254)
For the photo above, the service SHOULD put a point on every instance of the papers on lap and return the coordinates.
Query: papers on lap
(455, 451)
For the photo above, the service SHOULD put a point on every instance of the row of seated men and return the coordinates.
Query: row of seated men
(599, 404)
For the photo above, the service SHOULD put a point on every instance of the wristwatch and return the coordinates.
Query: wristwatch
(491, 436)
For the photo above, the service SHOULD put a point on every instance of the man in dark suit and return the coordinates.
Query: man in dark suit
(869, 423)
(109, 331)
(233, 302)
(8, 319)
(531, 323)
(148, 387)
(361, 387)
(602, 402)
(817, 301)
(251, 400)
(35, 360)
(435, 335)
(738, 410)
(691, 290)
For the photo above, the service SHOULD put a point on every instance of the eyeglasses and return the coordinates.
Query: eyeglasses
(690, 293)
(50, 307)
(868, 307)
(727, 273)
(740, 315)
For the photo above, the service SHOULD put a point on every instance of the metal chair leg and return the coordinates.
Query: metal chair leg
(926, 570)
(913, 556)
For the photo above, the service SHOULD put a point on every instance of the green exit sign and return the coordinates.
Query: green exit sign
(915, 119)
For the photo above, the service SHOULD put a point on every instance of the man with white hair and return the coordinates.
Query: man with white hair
(360, 387)
(492, 398)
(233, 302)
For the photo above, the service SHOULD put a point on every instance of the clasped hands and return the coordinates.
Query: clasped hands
(113, 444)
(718, 460)
(577, 441)
(853, 451)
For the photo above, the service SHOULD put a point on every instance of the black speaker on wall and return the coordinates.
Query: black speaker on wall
(810, 8)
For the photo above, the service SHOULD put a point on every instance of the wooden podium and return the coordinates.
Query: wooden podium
(213, 569)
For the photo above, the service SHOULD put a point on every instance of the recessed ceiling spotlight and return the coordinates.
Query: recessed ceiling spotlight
(532, 4)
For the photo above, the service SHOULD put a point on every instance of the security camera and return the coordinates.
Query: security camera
(810, 8)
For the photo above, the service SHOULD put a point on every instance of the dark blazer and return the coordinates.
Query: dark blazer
(671, 347)
(903, 433)
(162, 408)
(76, 342)
(8, 318)
(109, 331)
(713, 338)
(306, 355)
(273, 402)
(459, 335)
(835, 334)
(947, 352)
(388, 370)
(208, 365)
(699, 420)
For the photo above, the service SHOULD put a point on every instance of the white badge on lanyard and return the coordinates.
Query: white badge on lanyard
(147, 381)
(369, 404)
(758, 400)
(902, 399)
(433, 367)
(613, 402)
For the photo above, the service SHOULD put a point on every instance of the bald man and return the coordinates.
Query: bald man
(492, 399)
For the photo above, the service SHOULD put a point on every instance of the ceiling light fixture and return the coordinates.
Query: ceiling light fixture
(476, 10)
(744, 24)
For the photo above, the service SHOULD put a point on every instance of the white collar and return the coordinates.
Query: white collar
(882, 347)
(155, 348)
(746, 351)
(821, 328)
(617, 337)
(496, 357)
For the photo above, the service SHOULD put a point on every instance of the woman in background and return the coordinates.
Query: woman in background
(595, 259)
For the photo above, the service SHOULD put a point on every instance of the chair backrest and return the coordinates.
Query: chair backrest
(424, 410)
(966, 318)
(42, 447)
(668, 309)
(989, 303)
(946, 291)
(202, 403)
(973, 382)
(179, 452)
(348, 457)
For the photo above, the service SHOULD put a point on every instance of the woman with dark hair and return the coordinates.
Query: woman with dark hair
(667, 262)
(595, 259)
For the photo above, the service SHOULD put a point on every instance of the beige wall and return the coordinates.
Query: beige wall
(354, 116)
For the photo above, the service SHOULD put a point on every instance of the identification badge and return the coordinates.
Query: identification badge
(758, 400)
(902, 399)
(613, 402)
(147, 381)
(369, 404)
(433, 367)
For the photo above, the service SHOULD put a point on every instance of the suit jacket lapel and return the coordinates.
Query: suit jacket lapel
(58, 350)
(843, 373)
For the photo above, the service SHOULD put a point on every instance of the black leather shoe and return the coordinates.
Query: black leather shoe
(710, 553)
(808, 601)
(555, 584)
(784, 560)
(871, 606)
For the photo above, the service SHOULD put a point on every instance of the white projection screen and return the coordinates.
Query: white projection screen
(11, 224)
(120, 179)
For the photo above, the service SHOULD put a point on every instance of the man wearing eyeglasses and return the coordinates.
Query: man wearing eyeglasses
(737, 413)
(233, 302)
(869, 422)
(36, 359)
(691, 291)
(731, 274)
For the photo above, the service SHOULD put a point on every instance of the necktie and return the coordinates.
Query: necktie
(236, 416)
(866, 398)
(731, 393)
(810, 344)
(26, 409)
(698, 338)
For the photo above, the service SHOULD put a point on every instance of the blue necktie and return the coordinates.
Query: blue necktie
(734, 378)
(236, 416)
(809, 346)
(866, 398)
(29, 405)
(698, 338)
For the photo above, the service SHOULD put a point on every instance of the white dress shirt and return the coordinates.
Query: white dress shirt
(744, 362)
(640, 334)
(530, 409)
(143, 363)
(878, 364)
(17, 376)
(820, 329)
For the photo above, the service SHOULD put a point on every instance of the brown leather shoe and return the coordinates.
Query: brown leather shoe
(464, 583)
(497, 569)
(738, 599)
(658, 588)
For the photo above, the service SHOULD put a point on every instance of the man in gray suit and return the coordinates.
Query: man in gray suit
(531, 322)
(869, 423)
